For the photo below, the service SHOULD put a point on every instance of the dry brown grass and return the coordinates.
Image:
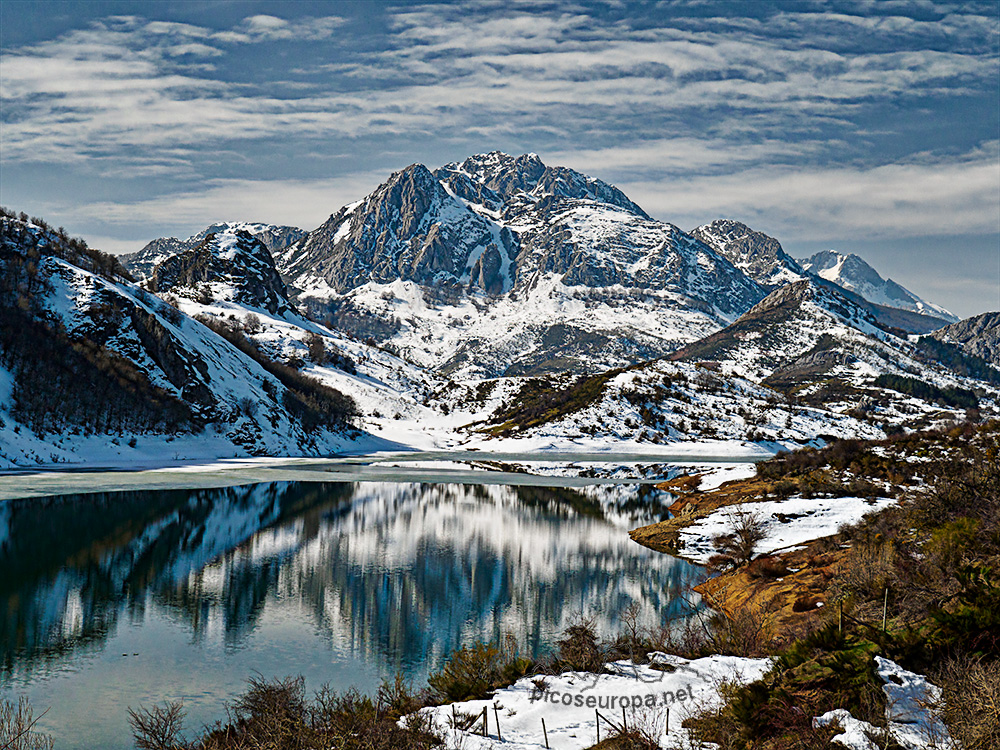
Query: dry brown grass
(970, 702)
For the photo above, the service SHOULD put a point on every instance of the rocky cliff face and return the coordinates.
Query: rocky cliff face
(230, 266)
(979, 335)
(756, 254)
(411, 228)
(274, 238)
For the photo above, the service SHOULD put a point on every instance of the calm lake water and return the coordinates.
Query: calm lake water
(112, 600)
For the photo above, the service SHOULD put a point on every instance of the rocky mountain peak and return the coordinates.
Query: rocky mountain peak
(493, 178)
(824, 296)
(410, 228)
(758, 255)
(979, 335)
(274, 238)
(231, 266)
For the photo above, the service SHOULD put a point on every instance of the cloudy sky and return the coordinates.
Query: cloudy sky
(869, 127)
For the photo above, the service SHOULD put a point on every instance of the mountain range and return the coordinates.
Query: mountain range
(493, 299)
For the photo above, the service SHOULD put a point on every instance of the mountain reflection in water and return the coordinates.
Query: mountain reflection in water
(394, 575)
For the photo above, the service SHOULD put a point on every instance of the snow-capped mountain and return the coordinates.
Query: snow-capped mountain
(501, 264)
(274, 238)
(854, 274)
(490, 180)
(978, 335)
(756, 254)
(230, 265)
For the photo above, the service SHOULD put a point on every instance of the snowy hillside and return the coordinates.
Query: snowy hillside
(651, 405)
(95, 367)
(854, 274)
(808, 339)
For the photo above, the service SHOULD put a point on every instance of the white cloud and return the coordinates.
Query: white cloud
(927, 197)
(302, 203)
(450, 70)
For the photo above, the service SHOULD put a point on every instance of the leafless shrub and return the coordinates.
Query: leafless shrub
(159, 727)
(869, 568)
(247, 406)
(17, 727)
(738, 547)
(745, 632)
(970, 702)
(580, 649)
(251, 324)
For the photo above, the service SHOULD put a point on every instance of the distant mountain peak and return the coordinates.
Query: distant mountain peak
(854, 274)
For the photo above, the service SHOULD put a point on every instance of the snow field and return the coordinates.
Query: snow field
(787, 523)
(568, 702)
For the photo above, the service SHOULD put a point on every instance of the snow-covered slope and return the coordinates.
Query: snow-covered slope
(854, 274)
(502, 265)
(274, 238)
(810, 339)
(755, 253)
(96, 366)
(651, 405)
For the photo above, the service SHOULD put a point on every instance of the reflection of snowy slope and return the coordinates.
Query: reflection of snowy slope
(407, 564)
(396, 571)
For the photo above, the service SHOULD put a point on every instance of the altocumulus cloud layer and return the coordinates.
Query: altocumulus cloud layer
(870, 127)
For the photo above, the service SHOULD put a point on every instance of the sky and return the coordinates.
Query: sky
(865, 127)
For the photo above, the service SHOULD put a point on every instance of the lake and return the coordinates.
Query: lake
(115, 599)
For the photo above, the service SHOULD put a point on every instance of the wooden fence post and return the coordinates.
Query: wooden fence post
(885, 608)
(544, 732)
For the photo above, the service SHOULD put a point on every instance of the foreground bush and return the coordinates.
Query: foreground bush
(17, 728)
(277, 715)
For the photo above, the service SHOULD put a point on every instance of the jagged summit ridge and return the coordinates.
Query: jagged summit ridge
(490, 179)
